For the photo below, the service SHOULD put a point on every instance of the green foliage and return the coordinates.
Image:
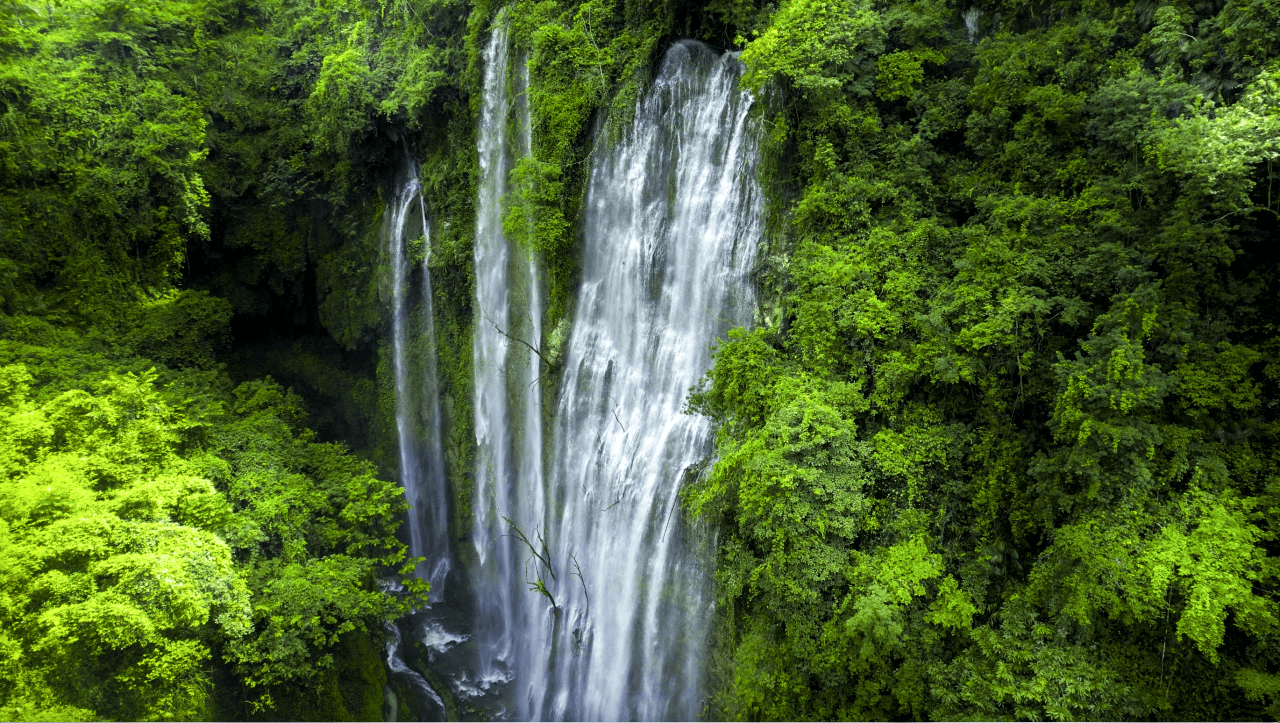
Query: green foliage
(582, 58)
(230, 147)
(98, 153)
(152, 521)
(180, 328)
(819, 46)
(1007, 448)
(115, 583)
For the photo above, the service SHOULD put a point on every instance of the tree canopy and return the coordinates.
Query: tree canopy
(167, 535)
(1004, 446)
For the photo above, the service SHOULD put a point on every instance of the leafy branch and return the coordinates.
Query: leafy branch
(543, 557)
(538, 586)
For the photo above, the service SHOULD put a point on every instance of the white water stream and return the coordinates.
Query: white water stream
(507, 397)
(430, 704)
(418, 423)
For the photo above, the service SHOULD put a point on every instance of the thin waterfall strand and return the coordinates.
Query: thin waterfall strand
(410, 460)
(498, 467)
(427, 697)
(421, 453)
(421, 460)
(436, 493)
(531, 498)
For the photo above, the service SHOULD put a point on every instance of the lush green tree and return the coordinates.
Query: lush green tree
(115, 582)
(173, 542)
(99, 196)
(151, 524)
(1006, 447)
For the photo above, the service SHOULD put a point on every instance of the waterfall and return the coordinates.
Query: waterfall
(418, 424)
(507, 402)
(672, 219)
(410, 467)
(531, 661)
(493, 554)
(435, 495)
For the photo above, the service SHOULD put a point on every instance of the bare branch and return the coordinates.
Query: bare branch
(614, 409)
(531, 347)
(546, 556)
(578, 571)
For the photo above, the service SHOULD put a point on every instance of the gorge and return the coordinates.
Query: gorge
(639, 360)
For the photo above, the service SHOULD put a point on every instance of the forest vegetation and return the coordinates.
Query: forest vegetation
(1003, 441)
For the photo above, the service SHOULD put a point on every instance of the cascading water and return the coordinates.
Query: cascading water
(436, 494)
(507, 403)
(531, 515)
(673, 218)
(430, 704)
(493, 555)
(418, 422)
(672, 221)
